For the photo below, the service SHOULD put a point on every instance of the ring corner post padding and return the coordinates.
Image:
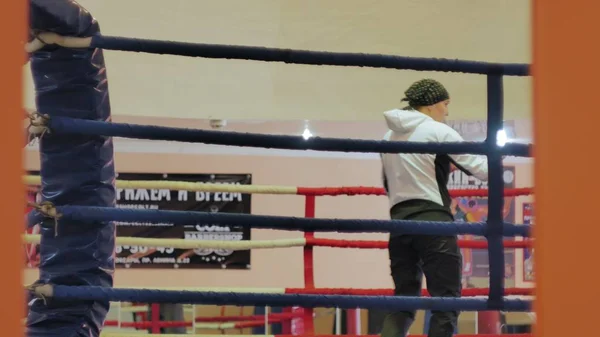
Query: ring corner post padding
(75, 170)
(12, 19)
(565, 74)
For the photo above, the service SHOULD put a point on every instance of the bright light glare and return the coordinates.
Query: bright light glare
(501, 138)
(306, 134)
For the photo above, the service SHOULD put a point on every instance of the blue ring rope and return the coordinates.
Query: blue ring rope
(306, 57)
(99, 214)
(74, 126)
(392, 303)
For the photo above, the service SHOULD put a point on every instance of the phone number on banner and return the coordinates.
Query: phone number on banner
(142, 249)
(152, 260)
(146, 259)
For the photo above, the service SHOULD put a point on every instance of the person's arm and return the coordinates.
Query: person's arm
(475, 165)
(385, 183)
(383, 177)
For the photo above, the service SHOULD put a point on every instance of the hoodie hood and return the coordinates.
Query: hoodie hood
(404, 121)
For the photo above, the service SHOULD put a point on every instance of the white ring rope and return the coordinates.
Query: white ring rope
(189, 186)
(193, 244)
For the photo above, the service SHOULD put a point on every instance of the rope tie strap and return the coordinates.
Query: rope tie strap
(48, 210)
(38, 125)
(41, 39)
(41, 290)
(35, 41)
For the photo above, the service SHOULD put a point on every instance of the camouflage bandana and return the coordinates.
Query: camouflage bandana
(425, 92)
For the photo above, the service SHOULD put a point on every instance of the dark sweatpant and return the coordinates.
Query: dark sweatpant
(411, 256)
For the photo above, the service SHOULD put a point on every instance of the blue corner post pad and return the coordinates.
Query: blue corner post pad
(75, 170)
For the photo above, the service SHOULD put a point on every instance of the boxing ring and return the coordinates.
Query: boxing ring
(77, 212)
(302, 318)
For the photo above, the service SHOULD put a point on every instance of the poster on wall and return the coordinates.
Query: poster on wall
(475, 209)
(476, 130)
(528, 219)
(475, 262)
(166, 257)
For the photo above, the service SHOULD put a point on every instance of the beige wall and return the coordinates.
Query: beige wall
(283, 267)
(171, 86)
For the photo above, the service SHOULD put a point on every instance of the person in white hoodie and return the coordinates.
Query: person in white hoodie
(417, 190)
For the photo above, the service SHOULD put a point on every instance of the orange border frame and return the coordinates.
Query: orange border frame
(13, 20)
(566, 119)
(561, 31)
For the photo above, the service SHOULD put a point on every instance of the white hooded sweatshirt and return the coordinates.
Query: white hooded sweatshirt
(409, 176)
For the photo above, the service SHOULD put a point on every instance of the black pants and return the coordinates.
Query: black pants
(439, 258)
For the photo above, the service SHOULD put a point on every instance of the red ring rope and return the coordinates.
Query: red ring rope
(149, 324)
(469, 292)
(361, 190)
(254, 324)
(365, 244)
(281, 316)
(176, 324)
(249, 324)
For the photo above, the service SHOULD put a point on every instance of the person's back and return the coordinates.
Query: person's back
(411, 176)
(417, 189)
